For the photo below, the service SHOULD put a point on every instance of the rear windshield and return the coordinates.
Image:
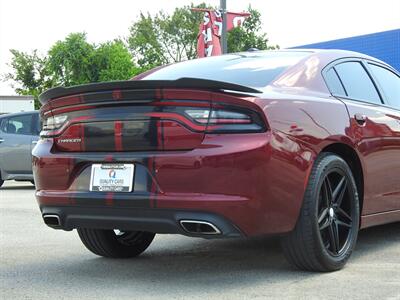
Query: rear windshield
(249, 69)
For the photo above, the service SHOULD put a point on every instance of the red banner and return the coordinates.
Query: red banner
(235, 19)
(208, 39)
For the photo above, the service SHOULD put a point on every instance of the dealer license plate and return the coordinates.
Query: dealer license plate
(112, 177)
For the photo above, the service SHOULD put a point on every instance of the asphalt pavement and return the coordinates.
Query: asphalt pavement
(37, 262)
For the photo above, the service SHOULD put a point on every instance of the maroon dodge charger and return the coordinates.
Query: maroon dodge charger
(304, 144)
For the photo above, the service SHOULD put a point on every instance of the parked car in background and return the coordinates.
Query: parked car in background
(19, 133)
(304, 144)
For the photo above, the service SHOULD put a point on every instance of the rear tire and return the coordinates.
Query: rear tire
(109, 243)
(1, 182)
(326, 231)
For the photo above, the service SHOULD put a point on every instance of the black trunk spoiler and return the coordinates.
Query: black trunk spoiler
(189, 83)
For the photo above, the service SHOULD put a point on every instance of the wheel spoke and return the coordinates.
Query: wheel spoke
(340, 212)
(327, 191)
(323, 215)
(334, 237)
(324, 224)
(339, 222)
(339, 198)
(336, 231)
(335, 211)
(338, 193)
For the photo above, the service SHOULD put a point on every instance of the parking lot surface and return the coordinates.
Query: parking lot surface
(37, 262)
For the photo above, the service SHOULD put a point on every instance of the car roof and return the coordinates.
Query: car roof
(305, 74)
(19, 114)
(324, 54)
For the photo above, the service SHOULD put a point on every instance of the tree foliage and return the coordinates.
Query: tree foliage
(75, 61)
(69, 62)
(30, 73)
(249, 35)
(154, 40)
(114, 62)
(163, 38)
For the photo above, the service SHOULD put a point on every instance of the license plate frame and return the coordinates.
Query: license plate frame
(112, 177)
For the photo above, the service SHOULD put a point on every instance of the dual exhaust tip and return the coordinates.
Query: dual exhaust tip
(199, 227)
(52, 220)
(190, 226)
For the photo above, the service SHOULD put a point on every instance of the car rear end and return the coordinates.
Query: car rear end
(173, 152)
(187, 160)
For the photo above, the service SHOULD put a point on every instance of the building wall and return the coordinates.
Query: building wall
(382, 45)
(14, 104)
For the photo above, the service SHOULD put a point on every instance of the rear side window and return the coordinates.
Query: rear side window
(357, 82)
(389, 82)
(334, 84)
(17, 125)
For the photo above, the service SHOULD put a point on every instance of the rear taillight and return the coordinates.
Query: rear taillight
(54, 122)
(129, 121)
(227, 120)
(206, 116)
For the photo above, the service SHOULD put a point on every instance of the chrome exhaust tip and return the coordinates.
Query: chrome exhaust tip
(199, 227)
(52, 220)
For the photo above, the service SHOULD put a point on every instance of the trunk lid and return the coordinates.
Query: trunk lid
(135, 115)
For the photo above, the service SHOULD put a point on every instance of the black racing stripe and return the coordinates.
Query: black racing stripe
(125, 95)
(149, 182)
(138, 136)
(154, 189)
(72, 166)
(152, 130)
(161, 123)
(99, 136)
(162, 135)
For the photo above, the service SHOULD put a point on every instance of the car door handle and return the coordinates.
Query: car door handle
(1, 140)
(360, 119)
(34, 142)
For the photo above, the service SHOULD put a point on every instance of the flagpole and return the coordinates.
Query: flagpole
(224, 42)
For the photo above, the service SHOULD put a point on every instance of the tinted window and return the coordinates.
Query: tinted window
(248, 69)
(389, 82)
(334, 84)
(4, 123)
(36, 125)
(357, 82)
(17, 125)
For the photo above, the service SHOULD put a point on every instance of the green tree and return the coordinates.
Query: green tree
(69, 62)
(30, 74)
(114, 62)
(72, 61)
(249, 35)
(153, 41)
(163, 38)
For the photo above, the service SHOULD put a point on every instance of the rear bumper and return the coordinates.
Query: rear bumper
(255, 182)
(151, 220)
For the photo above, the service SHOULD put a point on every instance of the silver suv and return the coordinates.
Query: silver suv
(18, 135)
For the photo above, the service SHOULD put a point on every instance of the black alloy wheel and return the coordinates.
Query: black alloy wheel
(335, 213)
(327, 228)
